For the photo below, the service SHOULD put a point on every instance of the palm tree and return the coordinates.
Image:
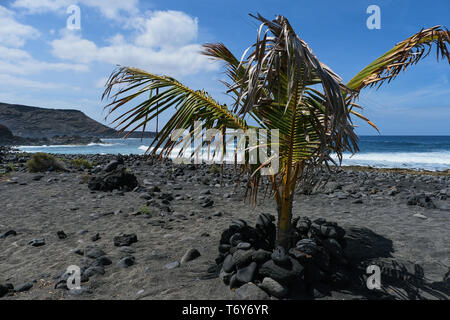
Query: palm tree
(280, 84)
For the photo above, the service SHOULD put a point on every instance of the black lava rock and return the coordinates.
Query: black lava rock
(260, 256)
(303, 224)
(5, 289)
(126, 262)
(247, 274)
(24, 287)
(280, 274)
(280, 257)
(94, 252)
(37, 242)
(190, 255)
(421, 200)
(119, 179)
(229, 264)
(242, 258)
(125, 240)
(8, 233)
(61, 235)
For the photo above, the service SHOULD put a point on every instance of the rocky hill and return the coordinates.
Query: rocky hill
(33, 122)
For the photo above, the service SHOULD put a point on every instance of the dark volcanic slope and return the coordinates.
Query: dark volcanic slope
(32, 122)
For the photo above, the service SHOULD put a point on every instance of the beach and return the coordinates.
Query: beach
(399, 220)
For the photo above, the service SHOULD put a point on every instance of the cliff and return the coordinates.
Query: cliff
(33, 122)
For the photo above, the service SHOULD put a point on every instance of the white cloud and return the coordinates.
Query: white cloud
(162, 44)
(167, 28)
(111, 9)
(13, 60)
(12, 81)
(13, 33)
(18, 61)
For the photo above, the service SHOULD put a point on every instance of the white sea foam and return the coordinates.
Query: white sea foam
(103, 144)
(418, 160)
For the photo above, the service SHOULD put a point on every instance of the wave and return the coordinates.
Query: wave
(69, 145)
(413, 160)
(92, 144)
(402, 157)
(52, 146)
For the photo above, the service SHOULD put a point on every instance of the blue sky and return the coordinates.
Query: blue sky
(42, 63)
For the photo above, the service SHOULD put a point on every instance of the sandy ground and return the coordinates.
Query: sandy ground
(383, 226)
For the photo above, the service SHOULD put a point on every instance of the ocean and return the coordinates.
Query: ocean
(409, 152)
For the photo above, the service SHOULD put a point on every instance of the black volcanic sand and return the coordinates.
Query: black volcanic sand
(371, 206)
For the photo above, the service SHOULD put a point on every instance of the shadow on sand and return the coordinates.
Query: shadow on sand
(400, 279)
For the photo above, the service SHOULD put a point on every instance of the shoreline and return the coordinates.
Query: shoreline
(362, 168)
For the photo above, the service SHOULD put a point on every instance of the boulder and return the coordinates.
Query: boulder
(118, 178)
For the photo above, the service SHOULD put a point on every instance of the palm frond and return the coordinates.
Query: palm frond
(190, 106)
(401, 56)
(278, 71)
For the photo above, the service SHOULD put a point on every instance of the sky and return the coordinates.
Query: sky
(46, 62)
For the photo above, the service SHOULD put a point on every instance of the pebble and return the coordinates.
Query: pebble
(247, 274)
(61, 235)
(8, 233)
(126, 249)
(280, 257)
(260, 256)
(94, 252)
(242, 258)
(274, 288)
(244, 245)
(126, 262)
(251, 291)
(5, 289)
(104, 261)
(125, 240)
(93, 270)
(37, 242)
(229, 264)
(282, 275)
(172, 265)
(190, 255)
(80, 291)
(96, 237)
(24, 287)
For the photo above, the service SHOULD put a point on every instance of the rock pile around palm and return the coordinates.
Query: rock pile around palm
(249, 255)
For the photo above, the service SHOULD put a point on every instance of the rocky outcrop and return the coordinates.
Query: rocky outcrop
(5, 133)
(33, 122)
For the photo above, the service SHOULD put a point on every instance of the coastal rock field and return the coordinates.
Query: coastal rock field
(159, 238)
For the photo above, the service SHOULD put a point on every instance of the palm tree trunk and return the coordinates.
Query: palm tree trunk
(285, 209)
(285, 200)
(284, 230)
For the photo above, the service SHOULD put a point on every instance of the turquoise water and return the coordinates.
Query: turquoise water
(416, 152)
